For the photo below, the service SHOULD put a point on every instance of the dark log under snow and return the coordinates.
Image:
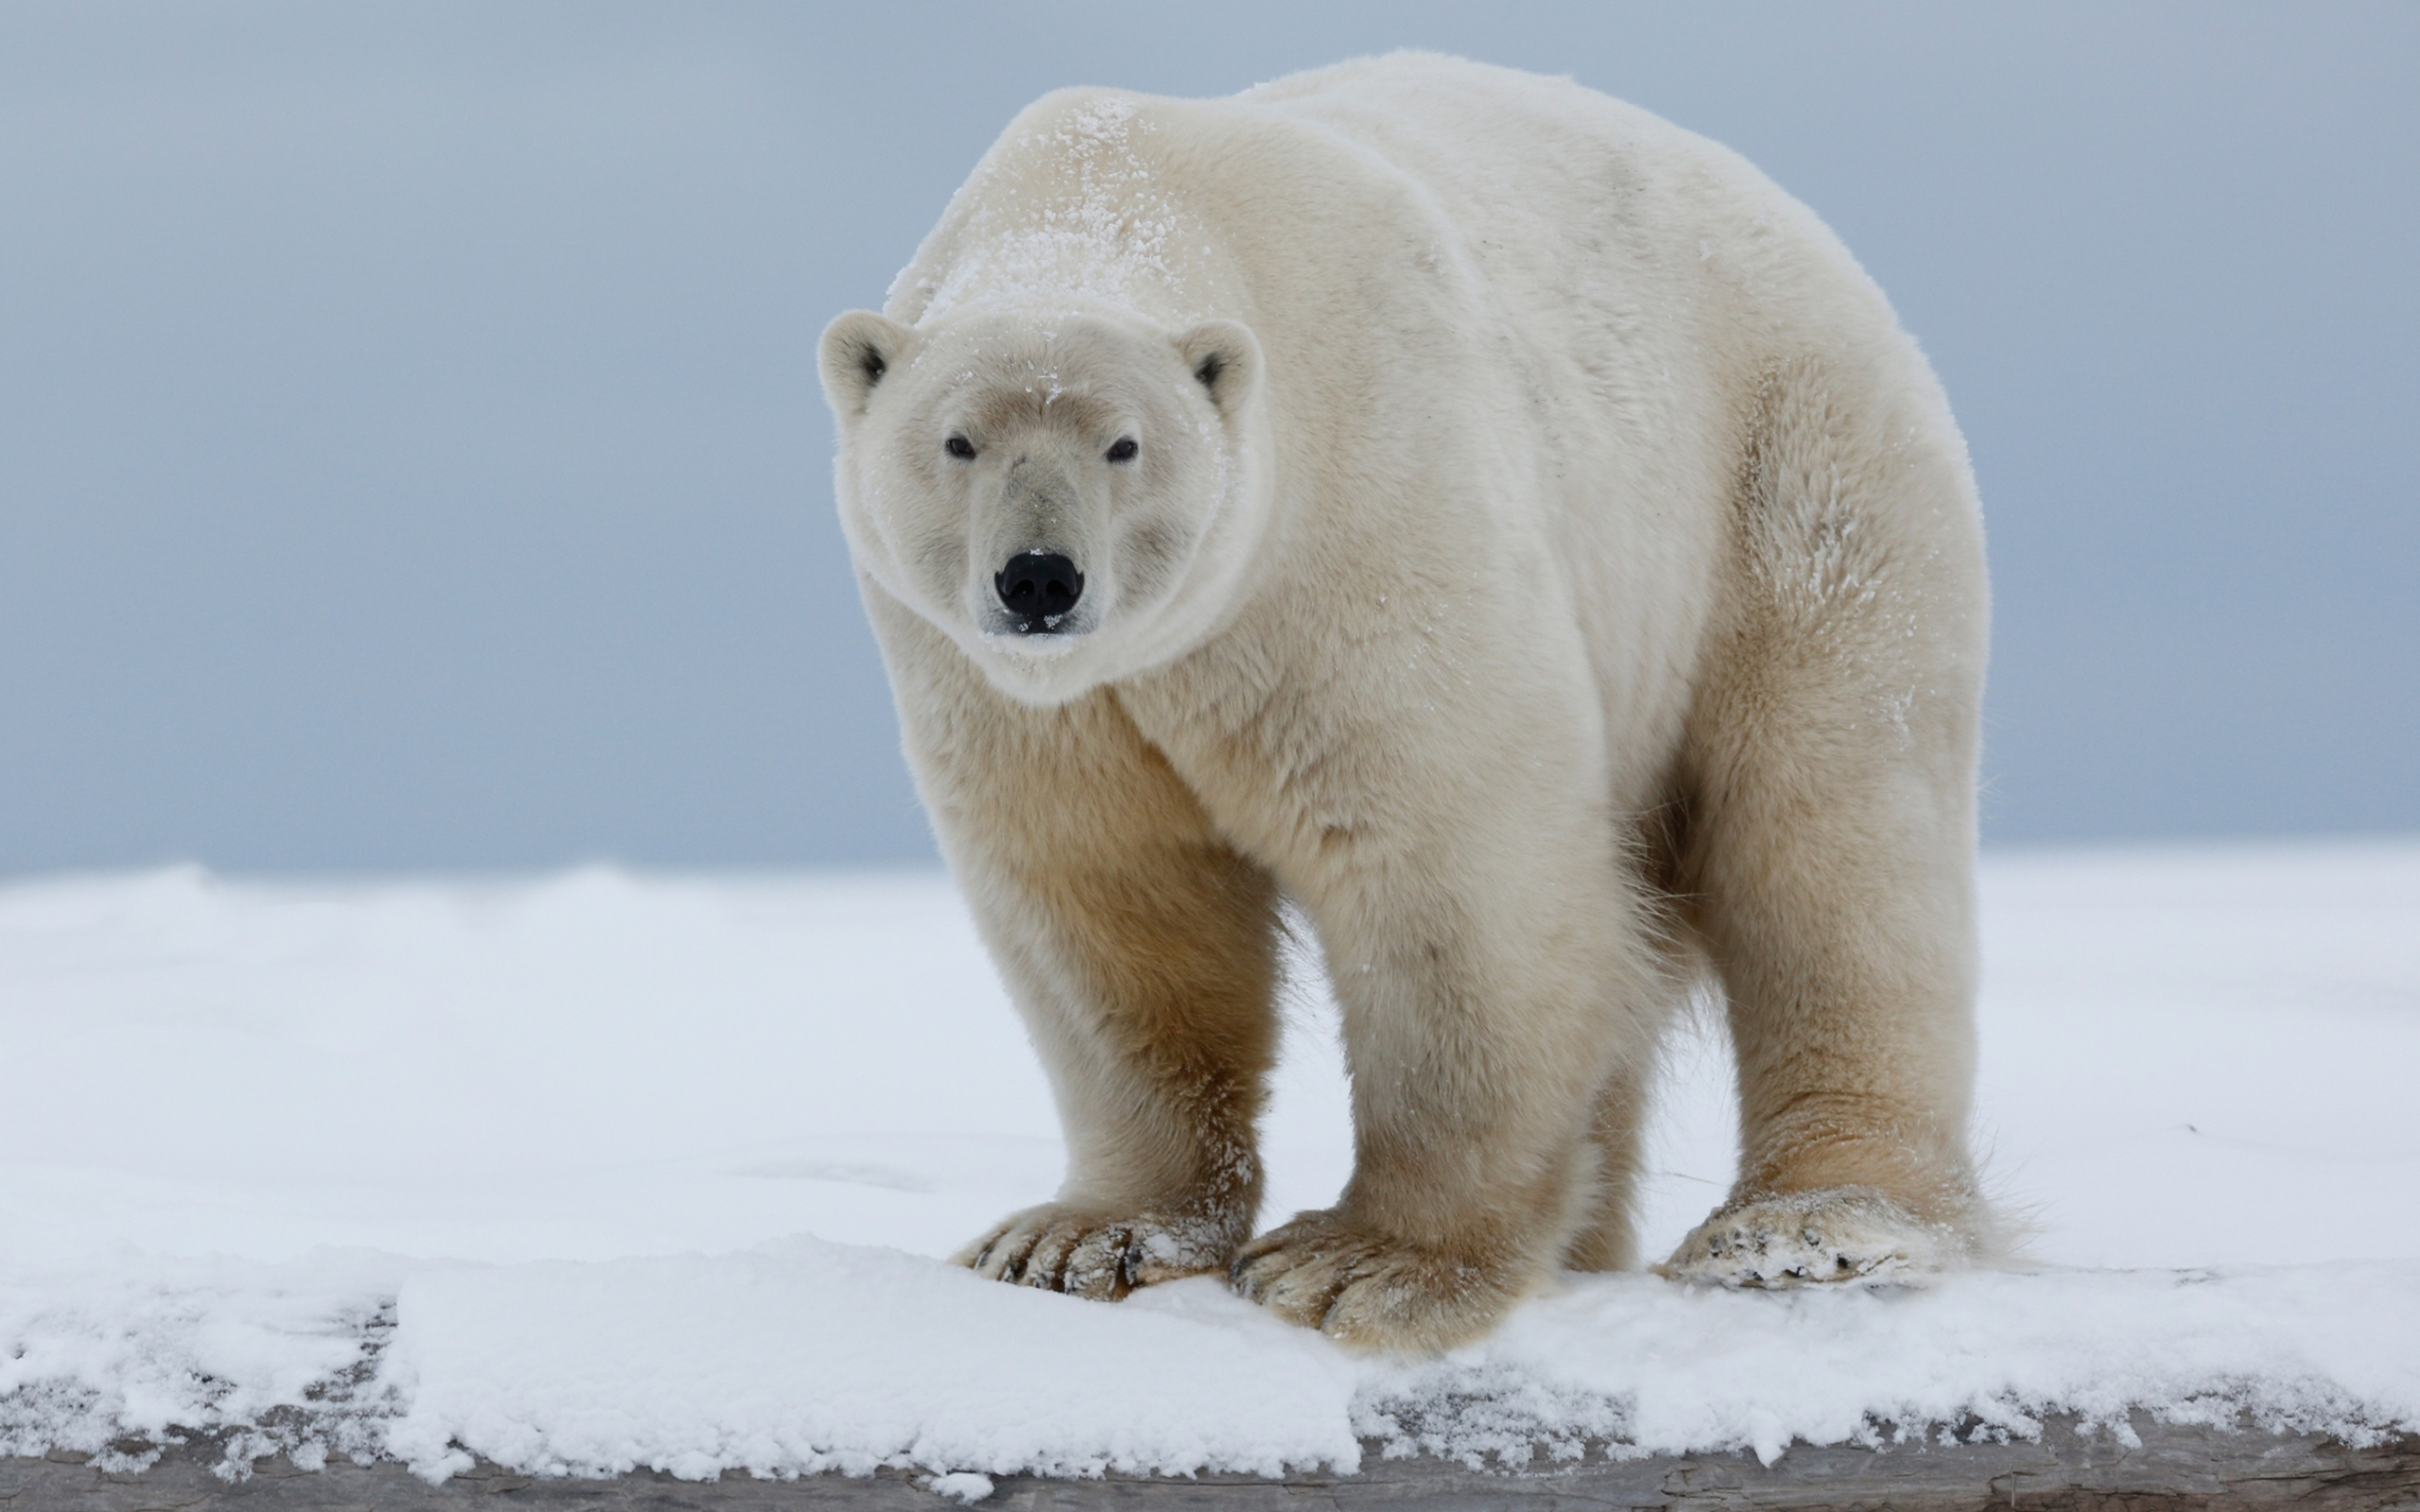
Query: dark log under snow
(2172, 1468)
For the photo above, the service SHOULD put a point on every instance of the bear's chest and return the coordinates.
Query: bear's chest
(1289, 761)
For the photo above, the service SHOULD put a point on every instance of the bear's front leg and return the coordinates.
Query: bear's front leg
(1142, 951)
(1489, 992)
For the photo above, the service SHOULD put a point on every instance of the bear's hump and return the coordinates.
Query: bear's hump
(1079, 202)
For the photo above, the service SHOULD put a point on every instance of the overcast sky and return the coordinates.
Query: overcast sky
(411, 451)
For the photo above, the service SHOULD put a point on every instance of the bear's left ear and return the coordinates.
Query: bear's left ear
(1224, 358)
(858, 350)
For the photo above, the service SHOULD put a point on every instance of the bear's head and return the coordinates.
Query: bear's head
(1072, 495)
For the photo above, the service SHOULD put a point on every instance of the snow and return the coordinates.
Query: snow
(812, 1356)
(596, 1171)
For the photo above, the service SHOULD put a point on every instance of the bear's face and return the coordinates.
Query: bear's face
(1072, 497)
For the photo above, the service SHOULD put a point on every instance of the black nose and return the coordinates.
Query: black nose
(1039, 587)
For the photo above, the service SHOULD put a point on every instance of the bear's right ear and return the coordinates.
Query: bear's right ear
(858, 348)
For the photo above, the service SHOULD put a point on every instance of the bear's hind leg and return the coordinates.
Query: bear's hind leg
(1831, 844)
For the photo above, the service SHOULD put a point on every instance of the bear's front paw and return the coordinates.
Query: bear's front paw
(1104, 1255)
(1366, 1289)
(1803, 1238)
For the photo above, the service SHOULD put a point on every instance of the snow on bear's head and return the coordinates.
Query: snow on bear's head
(1071, 494)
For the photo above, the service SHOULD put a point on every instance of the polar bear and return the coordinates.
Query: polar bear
(1511, 528)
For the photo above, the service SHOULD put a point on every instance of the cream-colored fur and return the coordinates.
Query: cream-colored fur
(1543, 559)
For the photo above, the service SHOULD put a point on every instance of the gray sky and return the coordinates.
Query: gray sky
(410, 453)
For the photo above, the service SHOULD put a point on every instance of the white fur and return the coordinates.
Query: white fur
(1546, 560)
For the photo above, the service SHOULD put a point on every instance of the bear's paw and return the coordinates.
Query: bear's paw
(1812, 1237)
(1084, 1252)
(1372, 1291)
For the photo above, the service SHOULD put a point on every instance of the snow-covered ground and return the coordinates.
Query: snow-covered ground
(598, 1171)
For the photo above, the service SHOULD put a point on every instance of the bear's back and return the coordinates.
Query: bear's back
(1585, 224)
(1507, 156)
(1575, 203)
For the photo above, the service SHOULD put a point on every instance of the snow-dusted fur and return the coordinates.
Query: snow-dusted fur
(1544, 559)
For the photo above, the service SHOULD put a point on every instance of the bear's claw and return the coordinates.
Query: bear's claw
(1367, 1289)
(1813, 1237)
(1101, 1256)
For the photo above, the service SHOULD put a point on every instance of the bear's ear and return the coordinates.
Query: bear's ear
(1224, 358)
(858, 348)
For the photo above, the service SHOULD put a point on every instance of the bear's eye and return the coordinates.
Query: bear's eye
(960, 447)
(1123, 449)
